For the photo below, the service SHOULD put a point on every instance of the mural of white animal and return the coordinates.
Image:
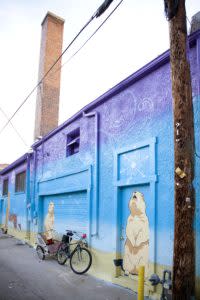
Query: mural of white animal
(136, 250)
(49, 222)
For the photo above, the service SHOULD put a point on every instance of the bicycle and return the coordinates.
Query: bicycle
(46, 247)
(80, 257)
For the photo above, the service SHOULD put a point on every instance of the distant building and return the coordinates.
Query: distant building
(3, 166)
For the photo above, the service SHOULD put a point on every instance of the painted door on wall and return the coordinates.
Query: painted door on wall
(3, 205)
(68, 211)
(134, 226)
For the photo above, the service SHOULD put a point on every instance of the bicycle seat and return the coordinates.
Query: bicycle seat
(69, 233)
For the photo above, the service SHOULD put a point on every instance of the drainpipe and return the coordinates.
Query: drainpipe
(95, 203)
(34, 184)
(42, 158)
(28, 195)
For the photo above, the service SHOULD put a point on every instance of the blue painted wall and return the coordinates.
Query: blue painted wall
(17, 211)
(137, 114)
(135, 152)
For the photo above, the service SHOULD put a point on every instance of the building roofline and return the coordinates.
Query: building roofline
(159, 61)
(13, 165)
(136, 76)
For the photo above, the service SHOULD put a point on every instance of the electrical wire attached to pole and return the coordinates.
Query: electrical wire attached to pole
(103, 7)
(76, 52)
(16, 131)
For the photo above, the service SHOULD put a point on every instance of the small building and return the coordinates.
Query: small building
(109, 170)
(3, 166)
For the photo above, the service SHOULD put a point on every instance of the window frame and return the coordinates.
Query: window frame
(3, 192)
(19, 189)
(73, 142)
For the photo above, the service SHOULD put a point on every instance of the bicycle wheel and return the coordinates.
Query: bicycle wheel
(40, 252)
(80, 260)
(62, 254)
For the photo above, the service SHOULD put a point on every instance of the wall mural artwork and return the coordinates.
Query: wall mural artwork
(49, 222)
(13, 219)
(136, 250)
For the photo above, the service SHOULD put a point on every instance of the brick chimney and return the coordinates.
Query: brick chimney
(47, 102)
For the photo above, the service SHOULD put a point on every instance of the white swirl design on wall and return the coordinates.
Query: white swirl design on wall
(119, 113)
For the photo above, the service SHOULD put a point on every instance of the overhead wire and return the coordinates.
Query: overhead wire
(11, 124)
(76, 52)
(45, 75)
(97, 14)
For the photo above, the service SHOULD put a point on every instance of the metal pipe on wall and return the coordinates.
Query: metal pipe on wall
(28, 195)
(34, 183)
(95, 114)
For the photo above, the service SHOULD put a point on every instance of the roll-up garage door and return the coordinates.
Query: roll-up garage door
(70, 211)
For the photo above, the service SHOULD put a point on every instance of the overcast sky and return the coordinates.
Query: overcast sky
(134, 35)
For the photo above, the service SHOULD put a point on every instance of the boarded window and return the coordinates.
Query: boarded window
(5, 187)
(20, 182)
(73, 142)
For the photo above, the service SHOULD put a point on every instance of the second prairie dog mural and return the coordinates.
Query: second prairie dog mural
(136, 252)
(49, 222)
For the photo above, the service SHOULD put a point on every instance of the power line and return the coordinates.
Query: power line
(97, 14)
(89, 37)
(16, 131)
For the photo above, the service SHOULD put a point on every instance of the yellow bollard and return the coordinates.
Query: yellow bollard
(141, 283)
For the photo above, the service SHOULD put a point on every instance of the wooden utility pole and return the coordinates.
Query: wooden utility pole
(184, 250)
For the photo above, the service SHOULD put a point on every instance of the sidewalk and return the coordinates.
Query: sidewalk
(24, 277)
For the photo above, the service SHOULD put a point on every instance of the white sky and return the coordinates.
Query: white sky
(134, 35)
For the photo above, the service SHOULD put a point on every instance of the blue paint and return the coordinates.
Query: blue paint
(28, 193)
(1, 211)
(70, 210)
(140, 159)
(34, 171)
(95, 203)
(127, 146)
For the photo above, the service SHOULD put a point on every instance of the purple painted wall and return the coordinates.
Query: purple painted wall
(127, 146)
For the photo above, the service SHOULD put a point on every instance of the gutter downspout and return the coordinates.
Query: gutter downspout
(28, 197)
(33, 213)
(95, 203)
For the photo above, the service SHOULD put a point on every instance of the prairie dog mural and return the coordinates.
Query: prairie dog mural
(49, 222)
(136, 250)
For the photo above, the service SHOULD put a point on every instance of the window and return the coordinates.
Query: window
(73, 142)
(5, 187)
(20, 182)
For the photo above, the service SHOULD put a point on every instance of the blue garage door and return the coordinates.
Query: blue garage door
(3, 205)
(70, 211)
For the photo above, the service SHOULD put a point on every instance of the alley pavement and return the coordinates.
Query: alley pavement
(24, 277)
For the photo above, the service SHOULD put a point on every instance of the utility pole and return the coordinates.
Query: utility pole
(184, 201)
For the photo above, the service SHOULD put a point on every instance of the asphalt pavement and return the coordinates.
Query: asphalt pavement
(24, 277)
